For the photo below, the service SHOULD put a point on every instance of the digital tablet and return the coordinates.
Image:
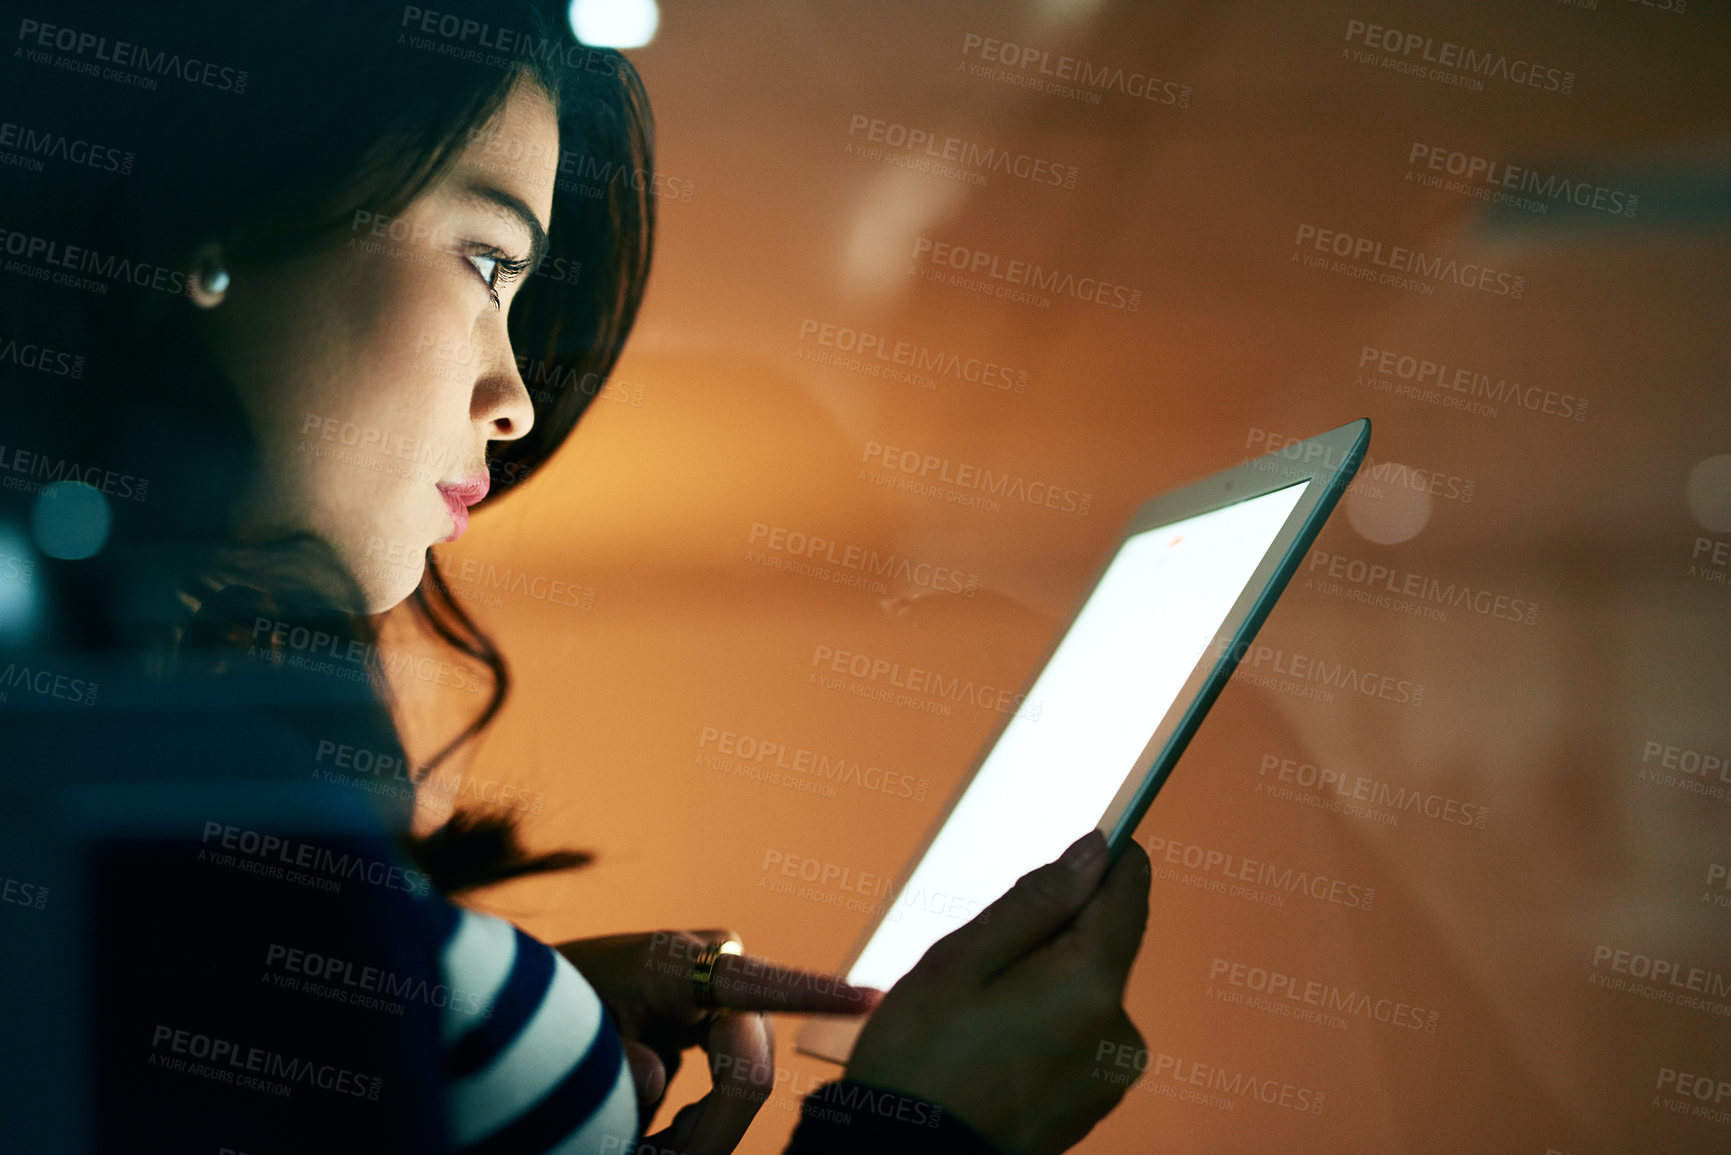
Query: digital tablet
(1151, 645)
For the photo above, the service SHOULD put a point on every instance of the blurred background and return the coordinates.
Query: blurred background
(1499, 231)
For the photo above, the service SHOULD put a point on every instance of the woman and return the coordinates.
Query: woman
(304, 268)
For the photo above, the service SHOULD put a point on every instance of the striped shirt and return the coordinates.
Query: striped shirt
(532, 1060)
(533, 1064)
(238, 958)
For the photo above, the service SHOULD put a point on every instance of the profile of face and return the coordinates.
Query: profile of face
(375, 372)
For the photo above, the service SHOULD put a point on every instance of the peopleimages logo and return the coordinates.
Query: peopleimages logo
(1683, 768)
(1255, 662)
(34, 145)
(879, 679)
(34, 470)
(1070, 76)
(28, 355)
(1389, 586)
(913, 356)
(1495, 176)
(1350, 788)
(47, 684)
(87, 52)
(226, 1061)
(499, 46)
(26, 894)
(1427, 58)
(1018, 279)
(52, 260)
(1718, 876)
(1402, 267)
(1418, 375)
(1705, 1088)
(836, 884)
(1198, 1079)
(368, 987)
(302, 647)
(278, 857)
(1258, 873)
(859, 561)
(912, 142)
(733, 751)
(1673, 974)
(1372, 475)
(913, 471)
(1335, 1004)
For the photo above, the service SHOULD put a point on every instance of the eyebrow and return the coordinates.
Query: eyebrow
(512, 207)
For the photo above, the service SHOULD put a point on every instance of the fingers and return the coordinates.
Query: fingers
(670, 964)
(1110, 927)
(714, 934)
(674, 1137)
(742, 1066)
(1099, 1095)
(648, 1073)
(743, 982)
(1040, 903)
(747, 983)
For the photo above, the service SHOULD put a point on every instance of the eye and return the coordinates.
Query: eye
(486, 265)
(495, 269)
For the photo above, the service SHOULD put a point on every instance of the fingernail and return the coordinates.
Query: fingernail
(1083, 851)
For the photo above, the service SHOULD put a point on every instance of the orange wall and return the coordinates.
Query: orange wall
(721, 417)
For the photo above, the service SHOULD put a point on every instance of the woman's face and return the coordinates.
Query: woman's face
(375, 372)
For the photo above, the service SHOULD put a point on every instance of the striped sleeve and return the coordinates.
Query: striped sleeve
(532, 1061)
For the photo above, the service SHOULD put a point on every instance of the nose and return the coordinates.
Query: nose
(499, 405)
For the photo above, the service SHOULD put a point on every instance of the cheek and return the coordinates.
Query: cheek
(406, 391)
(373, 405)
(402, 333)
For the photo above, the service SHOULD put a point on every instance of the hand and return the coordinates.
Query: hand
(1003, 1021)
(644, 980)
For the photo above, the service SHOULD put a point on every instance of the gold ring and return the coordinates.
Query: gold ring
(703, 970)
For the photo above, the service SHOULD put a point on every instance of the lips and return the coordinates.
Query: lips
(459, 496)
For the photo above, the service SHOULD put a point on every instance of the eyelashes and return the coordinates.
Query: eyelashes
(495, 270)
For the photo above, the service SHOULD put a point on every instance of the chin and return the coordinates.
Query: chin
(386, 590)
(379, 602)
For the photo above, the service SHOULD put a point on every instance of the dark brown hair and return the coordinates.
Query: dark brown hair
(297, 118)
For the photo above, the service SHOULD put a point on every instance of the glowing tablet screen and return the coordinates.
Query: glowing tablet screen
(1086, 721)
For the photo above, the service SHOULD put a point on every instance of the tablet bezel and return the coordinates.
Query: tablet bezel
(1327, 462)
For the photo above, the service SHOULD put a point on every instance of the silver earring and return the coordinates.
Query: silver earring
(208, 283)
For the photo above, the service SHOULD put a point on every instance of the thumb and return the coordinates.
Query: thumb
(1028, 914)
(676, 1136)
(648, 1074)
